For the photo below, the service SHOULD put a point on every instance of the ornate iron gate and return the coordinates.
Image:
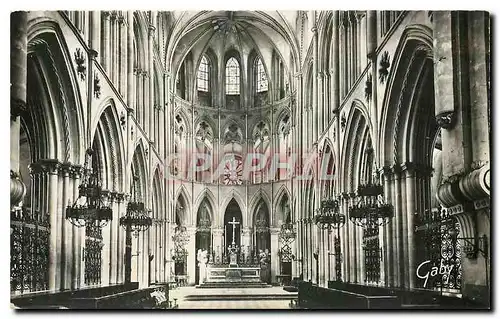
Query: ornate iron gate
(29, 255)
(92, 254)
(371, 248)
(438, 248)
(338, 258)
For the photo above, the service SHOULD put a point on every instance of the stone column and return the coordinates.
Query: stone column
(76, 259)
(106, 249)
(113, 51)
(410, 229)
(121, 240)
(396, 201)
(106, 40)
(66, 235)
(191, 257)
(315, 110)
(275, 261)
(152, 126)
(52, 168)
(18, 76)
(130, 59)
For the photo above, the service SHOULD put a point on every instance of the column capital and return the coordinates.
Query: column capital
(151, 30)
(113, 15)
(50, 166)
(121, 20)
(65, 169)
(105, 14)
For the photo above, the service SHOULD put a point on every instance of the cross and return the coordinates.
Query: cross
(234, 223)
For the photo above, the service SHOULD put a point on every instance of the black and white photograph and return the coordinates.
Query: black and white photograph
(287, 160)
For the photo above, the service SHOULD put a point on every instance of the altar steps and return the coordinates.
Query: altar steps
(233, 285)
(243, 293)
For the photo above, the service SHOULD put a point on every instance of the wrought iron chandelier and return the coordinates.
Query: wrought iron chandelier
(370, 210)
(90, 207)
(328, 215)
(137, 216)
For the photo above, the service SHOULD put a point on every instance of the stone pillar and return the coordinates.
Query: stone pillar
(151, 121)
(315, 111)
(76, 259)
(191, 257)
(275, 260)
(113, 51)
(52, 167)
(66, 235)
(130, 59)
(106, 249)
(18, 76)
(396, 231)
(411, 211)
(106, 41)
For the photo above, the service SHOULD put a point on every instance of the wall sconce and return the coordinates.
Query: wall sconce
(472, 245)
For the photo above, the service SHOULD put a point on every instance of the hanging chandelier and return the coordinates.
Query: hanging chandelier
(370, 210)
(137, 216)
(90, 207)
(328, 215)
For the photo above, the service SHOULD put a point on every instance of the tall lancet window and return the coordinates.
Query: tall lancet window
(232, 77)
(261, 77)
(203, 74)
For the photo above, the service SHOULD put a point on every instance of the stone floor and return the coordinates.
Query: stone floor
(232, 298)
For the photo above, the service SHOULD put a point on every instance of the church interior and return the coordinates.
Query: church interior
(159, 152)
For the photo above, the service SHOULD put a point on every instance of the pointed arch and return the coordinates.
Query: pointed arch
(56, 117)
(241, 203)
(414, 48)
(280, 194)
(254, 202)
(186, 218)
(207, 195)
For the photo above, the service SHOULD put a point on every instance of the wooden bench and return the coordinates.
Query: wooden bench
(145, 298)
(314, 297)
(410, 299)
(53, 300)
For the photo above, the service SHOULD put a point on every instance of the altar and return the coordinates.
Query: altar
(236, 268)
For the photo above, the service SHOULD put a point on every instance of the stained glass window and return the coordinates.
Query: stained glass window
(261, 77)
(232, 77)
(203, 75)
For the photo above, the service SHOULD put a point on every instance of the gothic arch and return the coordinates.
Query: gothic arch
(139, 169)
(158, 197)
(280, 194)
(414, 48)
(110, 132)
(254, 202)
(55, 112)
(356, 126)
(187, 217)
(207, 194)
(237, 197)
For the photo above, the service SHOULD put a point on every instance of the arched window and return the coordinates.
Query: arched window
(203, 75)
(261, 84)
(232, 77)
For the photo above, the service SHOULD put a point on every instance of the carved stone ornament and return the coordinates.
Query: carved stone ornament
(97, 86)
(445, 120)
(81, 68)
(384, 64)
(368, 87)
(123, 120)
(343, 122)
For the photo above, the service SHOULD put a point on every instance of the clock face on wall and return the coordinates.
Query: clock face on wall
(233, 170)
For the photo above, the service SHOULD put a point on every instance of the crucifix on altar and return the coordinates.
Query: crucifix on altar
(233, 249)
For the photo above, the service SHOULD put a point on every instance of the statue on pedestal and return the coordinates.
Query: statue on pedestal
(202, 257)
